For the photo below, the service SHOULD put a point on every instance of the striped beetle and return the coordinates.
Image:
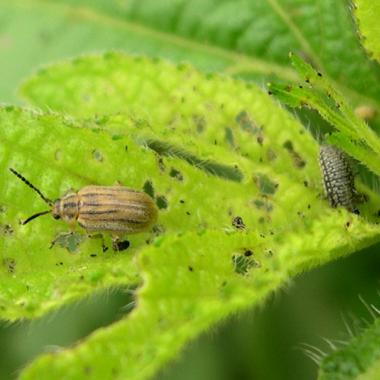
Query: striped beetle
(114, 209)
(338, 178)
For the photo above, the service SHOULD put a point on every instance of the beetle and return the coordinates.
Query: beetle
(338, 178)
(114, 209)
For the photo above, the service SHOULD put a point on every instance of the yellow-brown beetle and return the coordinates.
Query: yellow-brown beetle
(114, 209)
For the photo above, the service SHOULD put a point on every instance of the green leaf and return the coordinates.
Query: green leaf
(208, 263)
(37, 32)
(261, 140)
(51, 152)
(26, 251)
(371, 373)
(253, 44)
(357, 359)
(178, 99)
(367, 13)
(191, 283)
(317, 92)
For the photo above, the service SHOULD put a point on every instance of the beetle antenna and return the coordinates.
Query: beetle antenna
(35, 216)
(23, 179)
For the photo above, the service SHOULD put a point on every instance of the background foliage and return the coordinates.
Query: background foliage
(253, 45)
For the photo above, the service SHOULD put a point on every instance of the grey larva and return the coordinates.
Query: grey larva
(338, 177)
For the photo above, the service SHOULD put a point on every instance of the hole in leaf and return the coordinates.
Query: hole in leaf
(174, 173)
(260, 139)
(158, 229)
(200, 123)
(229, 136)
(148, 188)
(161, 164)
(10, 264)
(263, 204)
(70, 241)
(265, 185)
(97, 155)
(6, 229)
(245, 123)
(232, 173)
(162, 202)
(244, 261)
(271, 155)
(297, 159)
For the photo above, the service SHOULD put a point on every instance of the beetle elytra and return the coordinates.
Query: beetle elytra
(114, 209)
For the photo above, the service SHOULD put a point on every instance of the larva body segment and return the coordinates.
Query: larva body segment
(337, 177)
(115, 209)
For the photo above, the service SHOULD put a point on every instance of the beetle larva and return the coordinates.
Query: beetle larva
(338, 177)
(114, 209)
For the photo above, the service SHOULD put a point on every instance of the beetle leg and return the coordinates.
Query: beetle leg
(72, 226)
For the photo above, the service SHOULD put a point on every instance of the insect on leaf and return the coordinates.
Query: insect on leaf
(239, 186)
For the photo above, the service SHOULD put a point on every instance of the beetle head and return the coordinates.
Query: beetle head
(56, 210)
